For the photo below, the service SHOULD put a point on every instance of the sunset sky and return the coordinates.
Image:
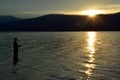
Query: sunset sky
(32, 8)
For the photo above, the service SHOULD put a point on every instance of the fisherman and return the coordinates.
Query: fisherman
(15, 55)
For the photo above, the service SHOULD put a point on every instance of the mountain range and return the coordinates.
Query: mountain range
(7, 19)
(61, 22)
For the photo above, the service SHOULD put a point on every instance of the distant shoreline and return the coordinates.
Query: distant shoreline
(59, 22)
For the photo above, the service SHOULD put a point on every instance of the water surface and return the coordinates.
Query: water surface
(61, 56)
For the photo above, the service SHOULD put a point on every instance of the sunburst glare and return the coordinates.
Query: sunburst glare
(92, 12)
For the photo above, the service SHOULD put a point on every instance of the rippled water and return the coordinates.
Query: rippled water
(61, 56)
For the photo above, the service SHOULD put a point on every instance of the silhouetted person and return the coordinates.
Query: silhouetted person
(15, 55)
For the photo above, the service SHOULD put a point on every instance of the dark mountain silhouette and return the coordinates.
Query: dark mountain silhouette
(6, 19)
(59, 22)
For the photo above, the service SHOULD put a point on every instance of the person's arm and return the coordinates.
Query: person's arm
(19, 45)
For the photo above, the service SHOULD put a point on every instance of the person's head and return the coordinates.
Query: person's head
(15, 39)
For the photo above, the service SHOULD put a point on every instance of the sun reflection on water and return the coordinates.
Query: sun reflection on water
(91, 42)
(91, 48)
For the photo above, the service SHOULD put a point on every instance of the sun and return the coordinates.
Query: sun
(91, 13)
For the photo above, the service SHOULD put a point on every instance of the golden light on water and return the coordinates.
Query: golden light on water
(91, 49)
(91, 42)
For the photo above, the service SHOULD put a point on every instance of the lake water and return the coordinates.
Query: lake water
(61, 56)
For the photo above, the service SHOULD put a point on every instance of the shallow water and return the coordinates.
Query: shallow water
(61, 56)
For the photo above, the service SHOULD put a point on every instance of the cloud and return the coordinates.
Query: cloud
(111, 8)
